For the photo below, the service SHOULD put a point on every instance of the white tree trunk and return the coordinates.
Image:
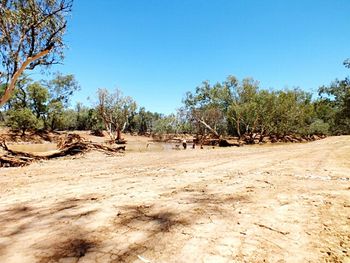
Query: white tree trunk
(11, 86)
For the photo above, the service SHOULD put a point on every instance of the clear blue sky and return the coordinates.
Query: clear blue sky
(156, 50)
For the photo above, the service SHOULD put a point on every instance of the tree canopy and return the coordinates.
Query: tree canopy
(239, 108)
(31, 35)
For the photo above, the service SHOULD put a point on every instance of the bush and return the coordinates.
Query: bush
(22, 119)
(319, 127)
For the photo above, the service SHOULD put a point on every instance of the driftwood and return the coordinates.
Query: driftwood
(72, 144)
(255, 139)
(225, 143)
(14, 158)
(98, 133)
(120, 141)
(11, 161)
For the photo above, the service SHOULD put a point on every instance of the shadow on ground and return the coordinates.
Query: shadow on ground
(134, 229)
(56, 228)
(160, 224)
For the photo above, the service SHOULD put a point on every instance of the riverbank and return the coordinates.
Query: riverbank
(275, 203)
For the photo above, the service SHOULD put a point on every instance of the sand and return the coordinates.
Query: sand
(277, 203)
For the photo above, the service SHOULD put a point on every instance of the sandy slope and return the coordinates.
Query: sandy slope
(281, 203)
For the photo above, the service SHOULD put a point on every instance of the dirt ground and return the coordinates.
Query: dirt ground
(277, 203)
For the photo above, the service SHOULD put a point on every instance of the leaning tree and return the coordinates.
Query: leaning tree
(31, 35)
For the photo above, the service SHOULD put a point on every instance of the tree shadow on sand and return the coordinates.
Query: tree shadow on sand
(135, 230)
(158, 223)
(60, 236)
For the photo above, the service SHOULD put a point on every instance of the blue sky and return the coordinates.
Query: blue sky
(156, 50)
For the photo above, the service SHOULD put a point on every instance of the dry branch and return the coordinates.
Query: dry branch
(71, 144)
(270, 228)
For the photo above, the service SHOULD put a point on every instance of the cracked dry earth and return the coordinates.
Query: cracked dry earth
(279, 203)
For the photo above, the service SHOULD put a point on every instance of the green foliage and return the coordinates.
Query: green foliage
(319, 127)
(165, 125)
(82, 117)
(55, 115)
(143, 121)
(46, 100)
(238, 108)
(232, 107)
(347, 63)
(293, 112)
(31, 35)
(115, 110)
(19, 98)
(95, 122)
(39, 97)
(22, 119)
(62, 88)
(68, 120)
(334, 105)
(209, 105)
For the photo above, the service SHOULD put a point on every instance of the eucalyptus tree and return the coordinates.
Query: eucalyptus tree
(114, 109)
(19, 98)
(347, 63)
(22, 119)
(47, 100)
(31, 35)
(38, 99)
(242, 111)
(208, 106)
(60, 88)
(336, 99)
(166, 124)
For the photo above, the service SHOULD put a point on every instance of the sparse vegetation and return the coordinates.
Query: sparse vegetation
(171, 192)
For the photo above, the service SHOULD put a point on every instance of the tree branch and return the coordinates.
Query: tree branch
(10, 88)
(208, 127)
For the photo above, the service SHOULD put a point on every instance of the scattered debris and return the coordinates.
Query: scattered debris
(71, 144)
(143, 259)
(270, 228)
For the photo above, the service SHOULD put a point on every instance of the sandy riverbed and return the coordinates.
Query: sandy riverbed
(279, 203)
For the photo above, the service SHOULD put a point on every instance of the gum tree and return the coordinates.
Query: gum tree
(114, 109)
(31, 35)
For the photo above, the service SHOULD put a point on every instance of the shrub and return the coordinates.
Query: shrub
(22, 119)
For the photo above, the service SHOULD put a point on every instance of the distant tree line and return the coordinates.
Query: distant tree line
(45, 106)
(233, 107)
(31, 36)
(242, 108)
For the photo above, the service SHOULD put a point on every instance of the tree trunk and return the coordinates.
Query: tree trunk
(52, 123)
(119, 137)
(238, 128)
(2, 118)
(11, 86)
(209, 128)
(261, 135)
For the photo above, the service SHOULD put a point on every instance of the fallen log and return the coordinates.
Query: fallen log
(11, 161)
(82, 147)
(15, 153)
(225, 143)
(73, 145)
